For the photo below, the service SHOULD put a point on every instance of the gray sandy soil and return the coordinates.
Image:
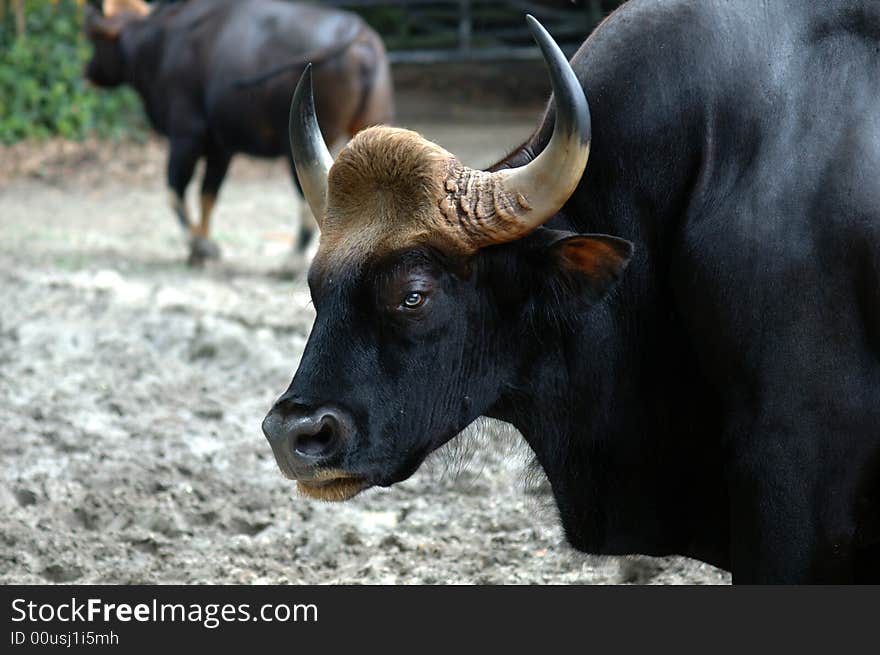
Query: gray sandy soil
(132, 390)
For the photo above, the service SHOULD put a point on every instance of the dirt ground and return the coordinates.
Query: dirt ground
(132, 390)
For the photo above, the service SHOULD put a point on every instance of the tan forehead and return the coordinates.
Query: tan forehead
(391, 189)
(385, 193)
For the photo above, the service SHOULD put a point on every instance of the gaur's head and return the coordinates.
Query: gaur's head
(107, 66)
(433, 284)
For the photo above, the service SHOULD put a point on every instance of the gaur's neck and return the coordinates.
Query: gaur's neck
(141, 45)
(629, 473)
(625, 429)
(621, 482)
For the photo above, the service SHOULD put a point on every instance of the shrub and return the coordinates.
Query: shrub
(42, 89)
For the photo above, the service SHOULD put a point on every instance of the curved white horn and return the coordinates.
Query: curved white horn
(311, 157)
(505, 205)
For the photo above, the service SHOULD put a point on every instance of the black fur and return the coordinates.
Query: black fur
(723, 400)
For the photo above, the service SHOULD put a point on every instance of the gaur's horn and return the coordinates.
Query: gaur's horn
(113, 7)
(310, 154)
(504, 205)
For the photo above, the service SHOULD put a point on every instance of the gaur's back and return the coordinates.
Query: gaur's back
(237, 39)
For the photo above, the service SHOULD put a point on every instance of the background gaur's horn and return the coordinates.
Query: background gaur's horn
(113, 7)
(310, 154)
(544, 185)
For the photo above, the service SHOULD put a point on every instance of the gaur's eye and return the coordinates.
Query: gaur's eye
(413, 300)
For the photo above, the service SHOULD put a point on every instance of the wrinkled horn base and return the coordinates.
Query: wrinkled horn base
(480, 209)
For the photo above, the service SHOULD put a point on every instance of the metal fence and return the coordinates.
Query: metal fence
(428, 31)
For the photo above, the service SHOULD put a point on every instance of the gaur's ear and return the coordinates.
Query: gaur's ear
(592, 263)
(600, 257)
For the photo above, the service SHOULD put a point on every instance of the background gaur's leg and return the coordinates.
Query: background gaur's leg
(216, 165)
(183, 156)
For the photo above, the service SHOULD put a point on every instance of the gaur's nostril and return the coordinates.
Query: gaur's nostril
(316, 444)
(304, 437)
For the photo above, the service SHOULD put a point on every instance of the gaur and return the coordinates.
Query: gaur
(216, 76)
(685, 330)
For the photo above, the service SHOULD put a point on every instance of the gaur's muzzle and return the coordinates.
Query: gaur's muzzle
(306, 440)
(309, 443)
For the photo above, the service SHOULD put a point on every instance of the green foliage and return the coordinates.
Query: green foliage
(42, 89)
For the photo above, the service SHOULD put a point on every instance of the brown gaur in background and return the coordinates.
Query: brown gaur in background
(216, 78)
